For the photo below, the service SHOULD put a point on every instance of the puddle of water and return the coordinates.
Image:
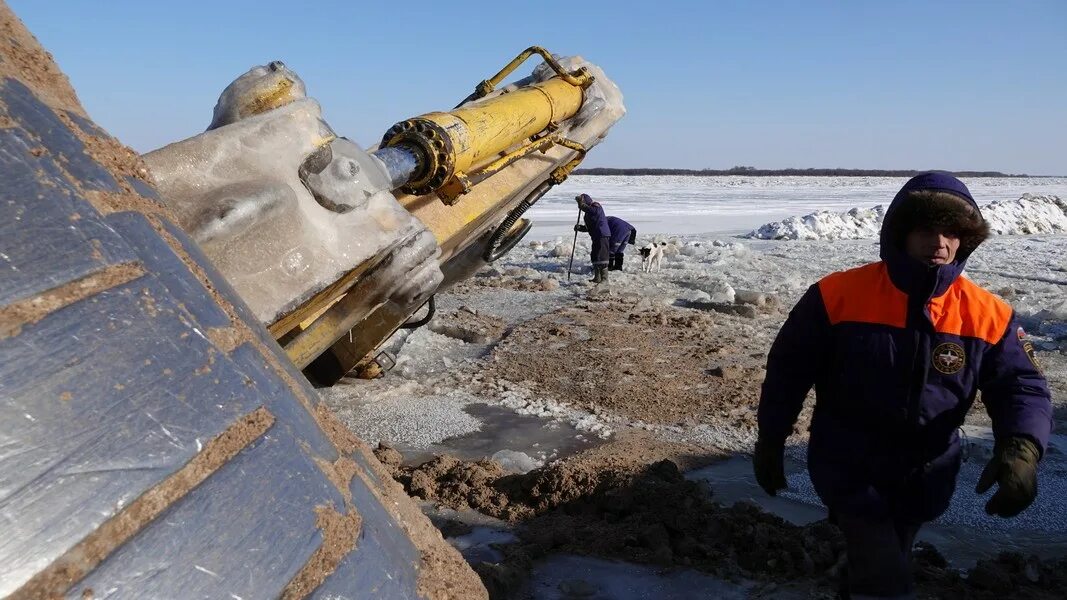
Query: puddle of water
(504, 429)
(565, 577)
(477, 546)
(732, 481)
(962, 544)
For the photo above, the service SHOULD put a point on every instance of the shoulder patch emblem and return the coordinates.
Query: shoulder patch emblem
(949, 358)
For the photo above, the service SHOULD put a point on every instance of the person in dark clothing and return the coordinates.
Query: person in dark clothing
(622, 233)
(596, 224)
(896, 351)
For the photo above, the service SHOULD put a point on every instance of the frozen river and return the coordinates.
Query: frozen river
(691, 205)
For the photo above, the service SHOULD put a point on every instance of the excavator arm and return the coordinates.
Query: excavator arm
(335, 247)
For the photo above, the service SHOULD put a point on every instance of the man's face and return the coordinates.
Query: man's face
(932, 247)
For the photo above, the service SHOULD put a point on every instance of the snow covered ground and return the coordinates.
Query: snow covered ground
(687, 205)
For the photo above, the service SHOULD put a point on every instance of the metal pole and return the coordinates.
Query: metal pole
(574, 243)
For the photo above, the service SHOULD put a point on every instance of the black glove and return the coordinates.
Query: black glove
(768, 462)
(1014, 467)
(580, 228)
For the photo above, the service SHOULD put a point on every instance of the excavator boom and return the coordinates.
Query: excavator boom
(335, 247)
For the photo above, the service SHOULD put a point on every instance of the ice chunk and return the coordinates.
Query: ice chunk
(694, 295)
(1028, 214)
(517, 462)
(561, 250)
(283, 207)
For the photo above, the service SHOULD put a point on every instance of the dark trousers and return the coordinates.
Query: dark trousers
(879, 556)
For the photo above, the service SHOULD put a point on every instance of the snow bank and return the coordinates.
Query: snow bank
(825, 225)
(1026, 215)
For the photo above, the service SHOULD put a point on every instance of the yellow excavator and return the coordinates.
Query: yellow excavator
(334, 247)
(161, 317)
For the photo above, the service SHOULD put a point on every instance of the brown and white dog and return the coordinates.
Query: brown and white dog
(651, 255)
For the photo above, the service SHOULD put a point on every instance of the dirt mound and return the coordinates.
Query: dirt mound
(643, 362)
(1010, 575)
(624, 500)
(486, 487)
(627, 501)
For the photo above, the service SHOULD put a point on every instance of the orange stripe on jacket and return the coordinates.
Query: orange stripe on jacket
(867, 295)
(967, 310)
(864, 295)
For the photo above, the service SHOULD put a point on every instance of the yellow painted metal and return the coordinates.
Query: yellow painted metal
(560, 174)
(456, 226)
(493, 151)
(455, 145)
(580, 77)
(313, 307)
(478, 133)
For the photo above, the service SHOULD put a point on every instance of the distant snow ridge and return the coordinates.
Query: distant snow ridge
(855, 224)
(1027, 215)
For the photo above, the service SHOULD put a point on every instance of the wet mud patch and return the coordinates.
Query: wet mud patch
(468, 325)
(505, 430)
(639, 361)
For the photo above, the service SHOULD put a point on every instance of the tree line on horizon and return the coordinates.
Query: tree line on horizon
(754, 172)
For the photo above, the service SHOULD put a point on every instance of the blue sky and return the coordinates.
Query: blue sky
(953, 85)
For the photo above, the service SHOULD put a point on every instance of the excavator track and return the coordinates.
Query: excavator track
(154, 439)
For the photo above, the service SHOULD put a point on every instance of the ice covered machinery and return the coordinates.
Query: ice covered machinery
(335, 247)
(155, 441)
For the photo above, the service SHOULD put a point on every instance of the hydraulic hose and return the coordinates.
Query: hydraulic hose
(431, 308)
(494, 249)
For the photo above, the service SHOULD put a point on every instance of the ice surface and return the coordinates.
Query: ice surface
(403, 414)
(477, 546)
(565, 577)
(676, 205)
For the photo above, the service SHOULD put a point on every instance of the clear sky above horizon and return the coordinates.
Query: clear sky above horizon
(975, 85)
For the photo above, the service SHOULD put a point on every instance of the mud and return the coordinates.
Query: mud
(514, 278)
(1010, 575)
(340, 532)
(15, 316)
(443, 575)
(25, 59)
(610, 504)
(487, 487)
(469, 326)
(639, 360)
(625, 500)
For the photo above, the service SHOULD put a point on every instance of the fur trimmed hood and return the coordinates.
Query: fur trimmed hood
(935, 200)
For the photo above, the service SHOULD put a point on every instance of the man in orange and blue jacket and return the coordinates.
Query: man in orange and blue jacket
(897, 351)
